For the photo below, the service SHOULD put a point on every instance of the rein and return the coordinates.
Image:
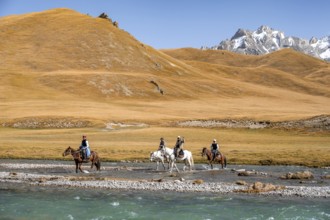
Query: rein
(74, 153)
(207, 153)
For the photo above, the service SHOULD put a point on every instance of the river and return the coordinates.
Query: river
(72, 203)
(25, 201)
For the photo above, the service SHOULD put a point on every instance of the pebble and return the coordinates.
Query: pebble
(172, 185)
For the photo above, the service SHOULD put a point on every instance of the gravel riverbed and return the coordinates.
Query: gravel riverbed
(143, 176)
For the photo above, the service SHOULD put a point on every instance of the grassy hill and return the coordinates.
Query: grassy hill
(60, 63)
(63, 69)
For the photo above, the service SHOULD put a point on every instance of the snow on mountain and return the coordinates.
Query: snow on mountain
(266, 40)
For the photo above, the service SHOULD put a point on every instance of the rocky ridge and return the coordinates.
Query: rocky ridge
(265, 40)
(318, 123)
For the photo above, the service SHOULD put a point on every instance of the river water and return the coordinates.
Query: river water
(21, 201)
(73, 203)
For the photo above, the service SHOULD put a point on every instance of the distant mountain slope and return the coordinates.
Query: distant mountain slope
(63, 39)
(285, 68)
(266, 40)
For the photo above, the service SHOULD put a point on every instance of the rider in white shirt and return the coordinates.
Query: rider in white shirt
(84, 148)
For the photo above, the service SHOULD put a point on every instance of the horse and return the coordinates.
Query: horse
(94, 158)
(221, 158)
(158, 157)
(187, 158)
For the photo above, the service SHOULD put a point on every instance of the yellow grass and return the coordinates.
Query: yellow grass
(63, 65)
(241, 146)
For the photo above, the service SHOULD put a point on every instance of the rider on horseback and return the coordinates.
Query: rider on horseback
(84, 148)
(162, 145)
(214, 148)
(178, 146)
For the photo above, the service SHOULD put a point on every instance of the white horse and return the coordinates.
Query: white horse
(158, 157)
(187, 158)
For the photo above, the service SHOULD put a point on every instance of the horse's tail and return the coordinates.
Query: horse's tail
(192, 162)
(98, 164)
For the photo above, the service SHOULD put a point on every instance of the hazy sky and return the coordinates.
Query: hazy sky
(194, 23)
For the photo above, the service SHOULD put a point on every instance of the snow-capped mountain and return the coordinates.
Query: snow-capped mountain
(266, 40)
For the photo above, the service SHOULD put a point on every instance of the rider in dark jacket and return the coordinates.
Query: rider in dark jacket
(84, 148)
(162, 145)
(178, 146)
(214, 148)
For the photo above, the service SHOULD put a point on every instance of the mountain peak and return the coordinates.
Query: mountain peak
(265, 40)
(264, 28)
(239, 33)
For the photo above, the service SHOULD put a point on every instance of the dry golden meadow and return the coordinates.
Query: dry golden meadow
(60, 66)
(241, 146)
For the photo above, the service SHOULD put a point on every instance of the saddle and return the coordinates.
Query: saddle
(181, 154)
(218, 154)
(84, 157)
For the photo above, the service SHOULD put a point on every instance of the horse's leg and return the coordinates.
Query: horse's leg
(189, 162)
(222, 161)
(157, 165)
(93, 161)
(80, 167)
(163, 164)
(211, 164)
(76, 166)
(173, 165)
(185, 165)
(177, 169)
(97, 164)
(170, 164)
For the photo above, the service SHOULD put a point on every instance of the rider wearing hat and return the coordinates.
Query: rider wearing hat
(214, 148)
(178, 146)
(162, 144)
(84, 148)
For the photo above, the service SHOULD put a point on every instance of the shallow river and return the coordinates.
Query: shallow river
(21, 201)
(73, 203)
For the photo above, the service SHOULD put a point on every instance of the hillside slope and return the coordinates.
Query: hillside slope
(63, 39)
(286, 68)
(63, 64)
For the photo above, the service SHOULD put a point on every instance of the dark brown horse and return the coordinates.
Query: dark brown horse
(94, 158)
(220, 158)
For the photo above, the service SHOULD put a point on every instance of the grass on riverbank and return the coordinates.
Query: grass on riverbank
(241, 146)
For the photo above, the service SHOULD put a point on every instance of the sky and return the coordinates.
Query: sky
(165, 24)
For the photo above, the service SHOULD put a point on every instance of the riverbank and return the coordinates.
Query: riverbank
(176, 185)
(145, 177)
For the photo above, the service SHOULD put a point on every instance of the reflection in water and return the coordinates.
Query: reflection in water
(73, 203)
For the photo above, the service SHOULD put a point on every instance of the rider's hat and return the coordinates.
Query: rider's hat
(161, 138)
(84, 136)
(214, 140)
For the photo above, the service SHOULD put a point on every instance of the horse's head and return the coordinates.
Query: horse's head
(67, 151)
(204, 151)
(152, 157)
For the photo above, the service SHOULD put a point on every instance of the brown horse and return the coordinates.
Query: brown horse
(220, 158)
(94, 158)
